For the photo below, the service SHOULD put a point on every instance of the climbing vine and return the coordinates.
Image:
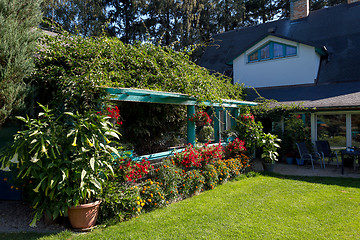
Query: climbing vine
(73, 68)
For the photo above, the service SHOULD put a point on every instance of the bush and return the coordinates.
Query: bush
(192, 183)
(211, 177)
(119, 201)
(151, 195)
(168, 175)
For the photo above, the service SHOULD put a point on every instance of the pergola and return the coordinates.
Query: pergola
(150, 96)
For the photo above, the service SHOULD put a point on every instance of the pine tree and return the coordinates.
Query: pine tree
(18, 35)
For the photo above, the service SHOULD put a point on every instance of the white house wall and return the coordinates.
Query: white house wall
(300, 69)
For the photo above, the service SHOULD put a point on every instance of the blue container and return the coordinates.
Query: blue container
(289, 160)
(300, 161)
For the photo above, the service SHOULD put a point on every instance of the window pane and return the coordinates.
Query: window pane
(355, 130)
(290, 51)
(278, 50)
(253, 57)
(265, 52)
(333, 129)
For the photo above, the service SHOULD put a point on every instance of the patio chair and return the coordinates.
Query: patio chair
(307, 156)
(323, 147)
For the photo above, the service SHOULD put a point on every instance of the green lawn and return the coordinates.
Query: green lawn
(262, 207)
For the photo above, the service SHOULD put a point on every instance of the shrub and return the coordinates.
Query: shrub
(211, 176)
(168, 175)
(209, 153)
(237, 165)
(120, 201)
(151, 195)
(128, 170)
(188, 158)
(234, 148)
(193, 182)
(222, 170)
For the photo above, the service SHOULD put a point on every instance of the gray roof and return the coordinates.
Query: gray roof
(333, 95)
(337, 28)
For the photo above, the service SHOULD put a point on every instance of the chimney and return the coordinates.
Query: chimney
(300, 9)
(352, 1)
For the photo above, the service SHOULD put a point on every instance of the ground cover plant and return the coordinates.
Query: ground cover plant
(260, 207)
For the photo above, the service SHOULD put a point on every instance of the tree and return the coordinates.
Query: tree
(124, 18)
(18, 30)
(86, 17)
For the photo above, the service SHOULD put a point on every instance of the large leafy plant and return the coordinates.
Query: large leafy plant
(63, 159)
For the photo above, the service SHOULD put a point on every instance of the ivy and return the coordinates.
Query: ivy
(73, 68)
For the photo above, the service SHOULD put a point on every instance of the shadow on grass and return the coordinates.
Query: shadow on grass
(23, 235)
(344, 182)
(35, 235)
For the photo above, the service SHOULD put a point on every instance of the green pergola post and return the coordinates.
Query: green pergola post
(235, 113)
(216, 126)
(190, 125)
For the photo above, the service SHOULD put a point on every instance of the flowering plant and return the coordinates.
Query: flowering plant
(130, 170)
(235, 147)
(113, 113)
(201, 118)
(247, 117)
(209, 153)
(188, 158)
(64, 158)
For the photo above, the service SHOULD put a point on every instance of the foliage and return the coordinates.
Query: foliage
(152, 127)
(119, 201)
(211, 176)
(73, 67)
(295, 131)
(126, 169)
(237, 165)
(190, 157)
(235, 147)
(18, 21)
(200, 118)
(249, 130)
(192, 183)
(152, 195)
(169, 177)
(63, 158)
(269, 147)
(84, 17)
(272, 109)
(206, 134)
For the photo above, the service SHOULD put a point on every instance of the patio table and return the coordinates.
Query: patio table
(354, 153)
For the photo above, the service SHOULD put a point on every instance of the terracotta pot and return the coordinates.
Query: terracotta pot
(84, 216)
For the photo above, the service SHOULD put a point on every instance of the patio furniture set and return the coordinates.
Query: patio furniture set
(324, 151)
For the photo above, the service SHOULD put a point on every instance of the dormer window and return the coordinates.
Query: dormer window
(272, 50)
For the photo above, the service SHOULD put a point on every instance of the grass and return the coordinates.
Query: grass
(262, 207)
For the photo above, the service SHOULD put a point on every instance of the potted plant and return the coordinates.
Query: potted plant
(270, 144)
(63, 160)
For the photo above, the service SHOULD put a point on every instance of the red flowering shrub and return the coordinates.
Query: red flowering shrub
(113, 113)
(188, 158)
(209, 153)
(235, 147)
(201, 118)
(247, 117)
(130, 170)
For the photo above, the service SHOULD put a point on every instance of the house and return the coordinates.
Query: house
(311, 58)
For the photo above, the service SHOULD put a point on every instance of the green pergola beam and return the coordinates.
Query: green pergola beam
(150, 96)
